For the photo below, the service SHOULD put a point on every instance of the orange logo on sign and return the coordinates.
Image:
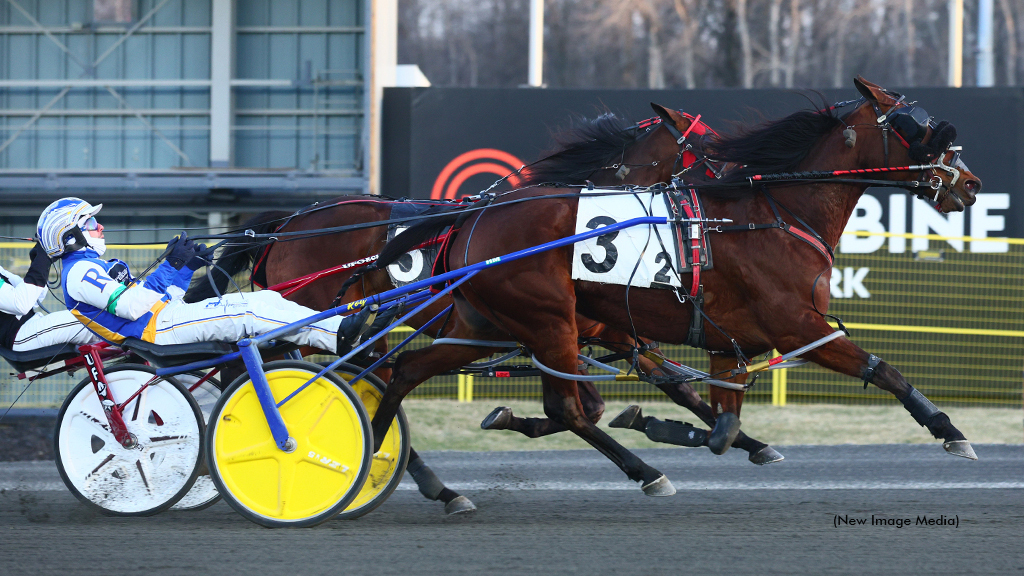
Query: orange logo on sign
(479, 161)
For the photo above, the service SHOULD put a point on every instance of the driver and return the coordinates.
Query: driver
(152, 309)
(21, 329)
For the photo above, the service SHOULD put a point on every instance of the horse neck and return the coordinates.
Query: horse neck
(824, 207)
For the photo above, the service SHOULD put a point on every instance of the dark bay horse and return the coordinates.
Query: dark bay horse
(769, 288)
(605, 150)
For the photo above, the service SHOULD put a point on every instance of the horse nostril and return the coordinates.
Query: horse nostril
(972, 186)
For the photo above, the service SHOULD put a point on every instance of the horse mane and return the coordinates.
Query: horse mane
(771, 146)
(584, 147)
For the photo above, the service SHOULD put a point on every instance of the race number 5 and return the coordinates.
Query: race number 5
(611, 254)
(410, 266)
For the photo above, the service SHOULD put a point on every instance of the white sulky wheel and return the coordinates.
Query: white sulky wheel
(147, 478)
(203, 493)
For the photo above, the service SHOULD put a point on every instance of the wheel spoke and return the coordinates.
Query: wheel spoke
(286, 483)
(99, 426)
(262, 451)
(142, 474)
(312, 417)
(169, 440)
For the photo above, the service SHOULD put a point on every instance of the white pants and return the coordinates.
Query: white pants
(242, 315)
(49, 329)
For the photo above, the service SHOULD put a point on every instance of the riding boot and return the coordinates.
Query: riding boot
(353, 327)
(382, 321)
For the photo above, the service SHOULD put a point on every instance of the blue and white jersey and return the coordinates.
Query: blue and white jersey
(115, 311)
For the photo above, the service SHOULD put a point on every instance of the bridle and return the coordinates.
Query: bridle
(910, 124)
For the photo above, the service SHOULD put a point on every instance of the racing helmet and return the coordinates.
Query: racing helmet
(59, 228)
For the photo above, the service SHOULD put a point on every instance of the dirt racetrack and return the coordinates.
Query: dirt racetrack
(573, 512)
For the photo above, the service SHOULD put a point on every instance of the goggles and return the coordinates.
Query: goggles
(89, 224)
(911, 123)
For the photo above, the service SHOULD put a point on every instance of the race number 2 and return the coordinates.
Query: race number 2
(611, 254)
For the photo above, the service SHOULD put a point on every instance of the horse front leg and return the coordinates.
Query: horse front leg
(845, 357)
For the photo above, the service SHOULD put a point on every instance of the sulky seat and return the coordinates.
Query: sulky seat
(167, 355)
(32, 359)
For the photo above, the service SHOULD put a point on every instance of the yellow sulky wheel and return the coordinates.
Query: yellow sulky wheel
(308, 485)
(389, 463)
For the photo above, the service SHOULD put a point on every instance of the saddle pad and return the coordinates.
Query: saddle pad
(415, 265)
(612, 258)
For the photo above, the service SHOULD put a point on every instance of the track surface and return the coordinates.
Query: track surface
(573, 512)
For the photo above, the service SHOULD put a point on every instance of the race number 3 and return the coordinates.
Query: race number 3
(611, 254)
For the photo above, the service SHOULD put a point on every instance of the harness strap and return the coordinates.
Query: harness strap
(695, 336)
(810, 236)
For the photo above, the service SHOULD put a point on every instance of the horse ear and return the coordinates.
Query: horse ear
(663, 112)
(862, 87)
(673, 116)
(871, 91)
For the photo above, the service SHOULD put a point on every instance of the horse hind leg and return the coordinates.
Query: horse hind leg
(725, 405)
(433, 489)
(568, 409)
(502, 418)
(684, 395)
(412, 368)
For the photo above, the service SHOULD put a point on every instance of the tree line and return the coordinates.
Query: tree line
(702, 43)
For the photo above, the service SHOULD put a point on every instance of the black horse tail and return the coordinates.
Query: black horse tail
(436, 220)
(239, 255)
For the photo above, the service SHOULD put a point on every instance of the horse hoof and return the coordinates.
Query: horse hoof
(660, 487)
(498, 419)
(727, 426)
(459, 505)
(766, 455)
(961, 448)
(626, 418)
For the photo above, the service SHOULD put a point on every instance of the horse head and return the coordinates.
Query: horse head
(910, 137)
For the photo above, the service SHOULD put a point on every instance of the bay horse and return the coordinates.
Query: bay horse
(769, 288)
(605, 151)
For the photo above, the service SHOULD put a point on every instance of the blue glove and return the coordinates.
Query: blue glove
(182, 249)
(203, 256)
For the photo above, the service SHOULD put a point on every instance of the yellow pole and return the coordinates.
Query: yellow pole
(778, 384)
(462, 387)
(775, 381)
(469, 388)
(783, 375)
